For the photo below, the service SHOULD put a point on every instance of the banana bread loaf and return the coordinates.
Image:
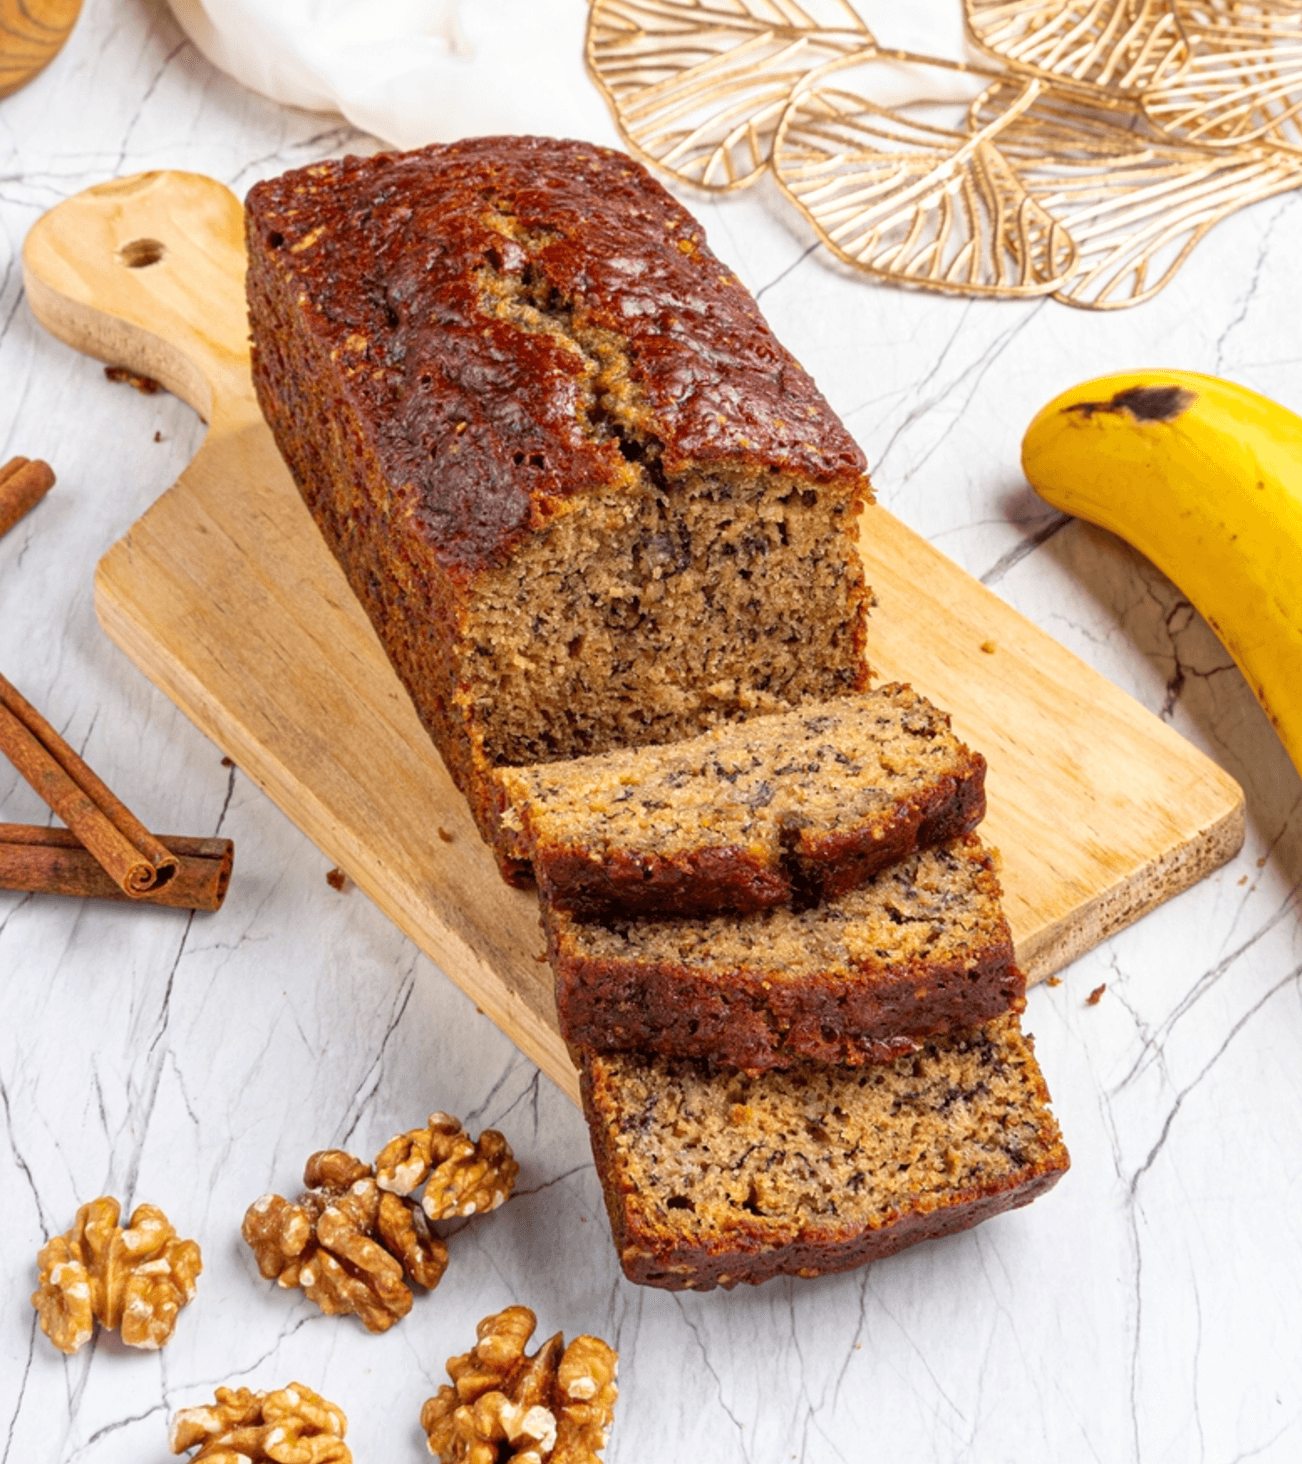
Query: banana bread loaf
(923, 947)
(714, 1178)
(796, 805)
(586, 498)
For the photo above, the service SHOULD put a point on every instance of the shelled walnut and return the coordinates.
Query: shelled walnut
(293, 1425)
(460, 1177)
(503, 1404)
(133, 1280)
(353, 1235)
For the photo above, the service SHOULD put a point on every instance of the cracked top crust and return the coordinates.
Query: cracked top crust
(522, 303)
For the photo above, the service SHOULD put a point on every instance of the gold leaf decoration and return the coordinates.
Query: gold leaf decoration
(698, 89)
(1114, 47)
(1134, 206)
(1243, 81)
(897, 193)
(1113, 136)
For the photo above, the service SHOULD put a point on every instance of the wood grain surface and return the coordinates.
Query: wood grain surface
(226, 597)
(32, 33)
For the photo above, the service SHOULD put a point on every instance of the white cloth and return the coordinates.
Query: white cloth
(412, 71)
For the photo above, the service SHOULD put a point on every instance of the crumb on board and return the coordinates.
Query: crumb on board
(1261, 863)
(158, 437)
(542, 960)
(1093, 998)
(444, 835)
(147, 384)
(1053, 980)
(988, 646)
(338, 880)
(1243, 879)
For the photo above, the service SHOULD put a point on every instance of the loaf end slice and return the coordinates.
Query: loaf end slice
(922, 947)
(712, 1179)
(798, 805)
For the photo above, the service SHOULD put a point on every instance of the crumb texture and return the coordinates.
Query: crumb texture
(787, 806)
(714, 1178)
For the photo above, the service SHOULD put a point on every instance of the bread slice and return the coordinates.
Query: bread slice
(711, 1179)
(585, 497)
(923, 947)
(802, 804)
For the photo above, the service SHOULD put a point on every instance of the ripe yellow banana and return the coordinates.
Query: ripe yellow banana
(1205, 479)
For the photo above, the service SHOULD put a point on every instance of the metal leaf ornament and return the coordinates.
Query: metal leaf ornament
(1113, 135)
(698, 89)
(1243, 81)
(1134, 206)
(1113, 47)
(899, 194)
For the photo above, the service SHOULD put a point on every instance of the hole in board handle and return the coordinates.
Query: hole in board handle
(141, 253)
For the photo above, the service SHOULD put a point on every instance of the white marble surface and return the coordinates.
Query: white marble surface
(1147, 1309)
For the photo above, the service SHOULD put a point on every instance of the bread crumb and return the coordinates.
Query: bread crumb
(338, 880)
(444, 835)
(1053, 980)
(988, 646)
(1243, 880)
(1261, 863)
(146, 384)
(542, 960)
(1093, 998)
(158, 437)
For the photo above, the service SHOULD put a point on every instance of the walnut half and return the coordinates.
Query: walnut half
(504, 1404)
(293, 1425)
(134, 1281)
(461, 1176)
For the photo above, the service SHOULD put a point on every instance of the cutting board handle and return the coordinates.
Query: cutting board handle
(147, 272)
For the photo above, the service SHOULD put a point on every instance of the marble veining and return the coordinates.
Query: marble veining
(1146, 1310)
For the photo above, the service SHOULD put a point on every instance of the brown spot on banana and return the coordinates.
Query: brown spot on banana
(1143, 403)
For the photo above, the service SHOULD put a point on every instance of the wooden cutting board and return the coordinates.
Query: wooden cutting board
(225, 595)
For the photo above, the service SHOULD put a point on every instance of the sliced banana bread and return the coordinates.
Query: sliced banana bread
(923, 947)
(801, 804)
(714, 1178)
(584, 495)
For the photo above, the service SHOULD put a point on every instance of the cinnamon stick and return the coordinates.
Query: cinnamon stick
(53, 862)
(133, 858)
(23, 483)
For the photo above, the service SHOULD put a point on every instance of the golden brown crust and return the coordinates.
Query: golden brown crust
(389, 252)
(593, 884)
